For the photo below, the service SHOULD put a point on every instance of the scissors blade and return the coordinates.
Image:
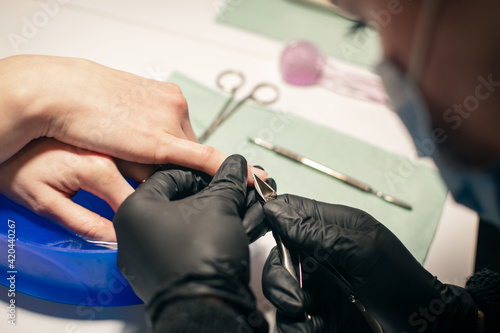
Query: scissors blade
(265, 191)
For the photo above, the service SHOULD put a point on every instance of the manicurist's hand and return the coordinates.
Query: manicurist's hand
(380, 272)
(180, 236)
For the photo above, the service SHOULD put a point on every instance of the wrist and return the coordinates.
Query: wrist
(238, 296)
(205, 314)
(22, 106)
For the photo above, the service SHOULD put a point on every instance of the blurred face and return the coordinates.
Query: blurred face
(460, 76)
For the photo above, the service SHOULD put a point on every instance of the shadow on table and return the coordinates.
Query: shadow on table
(132, 316)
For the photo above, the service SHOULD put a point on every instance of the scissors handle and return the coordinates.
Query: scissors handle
(254, 94)
(231, 81)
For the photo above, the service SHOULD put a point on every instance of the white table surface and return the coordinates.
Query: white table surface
(155, 37)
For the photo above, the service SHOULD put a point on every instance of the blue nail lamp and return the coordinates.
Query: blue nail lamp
(52, 264)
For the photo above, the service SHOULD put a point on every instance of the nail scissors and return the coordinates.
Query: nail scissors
(267, 193)
(231, 81)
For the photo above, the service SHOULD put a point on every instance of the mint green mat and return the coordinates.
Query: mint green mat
(286, 20)
(415, 183)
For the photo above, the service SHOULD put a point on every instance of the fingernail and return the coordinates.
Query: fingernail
(259, 173)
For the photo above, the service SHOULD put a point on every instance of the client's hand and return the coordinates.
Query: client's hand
(46, 173)
(101, 109)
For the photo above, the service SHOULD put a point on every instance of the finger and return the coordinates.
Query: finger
(254, 219)
(298, 229)
(196, 156)
(282, 290)
(230, 181)
(77, 219)
(112, 188)
(258, 172)
(343, 216)
(172, 184)
(254, 222)
(271, 182)
(325, 241)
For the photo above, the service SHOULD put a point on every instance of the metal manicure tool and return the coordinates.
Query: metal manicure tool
(267, 193)
(335, 174)
(231, 81)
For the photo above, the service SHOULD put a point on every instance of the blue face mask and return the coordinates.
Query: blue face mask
(478, 189)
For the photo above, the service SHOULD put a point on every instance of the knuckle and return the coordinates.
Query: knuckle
(180, 104)
(207, 153)
(100, 170)
(176, 99)
(103, 163)
(160, 150)
(172, 87)
(44, 206)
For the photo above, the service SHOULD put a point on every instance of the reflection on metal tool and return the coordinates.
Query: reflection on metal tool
(335, 174)
(231, 81)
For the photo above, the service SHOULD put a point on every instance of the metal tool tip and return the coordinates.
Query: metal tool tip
(262, 143)
(254, 178)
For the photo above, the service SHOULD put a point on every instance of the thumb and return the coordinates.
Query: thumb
(230, 181)
(196, 156)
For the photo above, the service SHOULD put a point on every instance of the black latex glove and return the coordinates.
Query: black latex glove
(173, 245)
(254, 221)
(395, 289)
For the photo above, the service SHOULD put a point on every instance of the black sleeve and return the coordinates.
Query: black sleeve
(206, 315)
(484, 288)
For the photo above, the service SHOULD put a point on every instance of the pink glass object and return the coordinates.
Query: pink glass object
(302, 63)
